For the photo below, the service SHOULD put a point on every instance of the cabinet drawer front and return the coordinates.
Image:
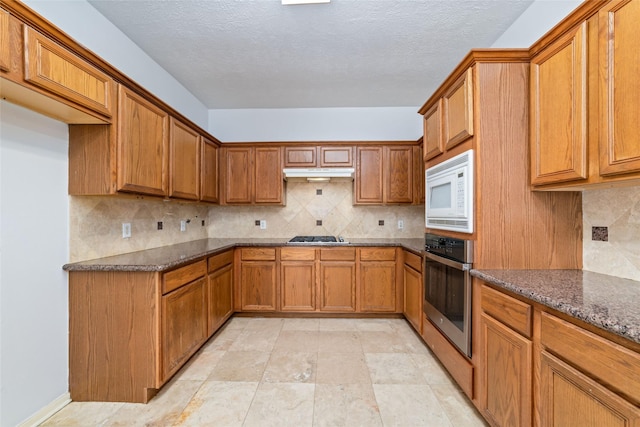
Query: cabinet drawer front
(412, 260)
(297, 254)
(54, 68)
(377, 254)
(338, 254)
(602, 359)
(510, 311)
(176, 278)
(258, 254)
(220, 260)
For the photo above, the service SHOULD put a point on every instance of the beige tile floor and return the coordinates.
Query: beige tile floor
(298, 372)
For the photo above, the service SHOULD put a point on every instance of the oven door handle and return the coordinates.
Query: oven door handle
(448, 262)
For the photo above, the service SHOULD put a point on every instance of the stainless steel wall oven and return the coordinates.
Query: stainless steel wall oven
(447, 288)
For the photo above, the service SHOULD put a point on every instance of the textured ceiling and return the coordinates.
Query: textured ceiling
(348, 53)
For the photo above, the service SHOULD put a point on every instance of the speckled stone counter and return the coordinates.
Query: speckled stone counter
(168, 257)
(607, 302)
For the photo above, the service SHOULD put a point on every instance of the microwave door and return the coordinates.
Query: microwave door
(441, 196)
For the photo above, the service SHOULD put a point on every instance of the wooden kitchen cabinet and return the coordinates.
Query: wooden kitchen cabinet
(298, 279)
(418, 176)
(619, 85)
(209, 188)
(5, 46)
(413, 289)
(252, 175)
(258, 275)
(457, 111)
(184, 161)
(184, 325)
(559, 109)
(378, 280)
(337, 280)
(143, 145)
(318, 156)
(433, 136)
(384, 174)
(300, 157)
(220, 290)
(331, 157)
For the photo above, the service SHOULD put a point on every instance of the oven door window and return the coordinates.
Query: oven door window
(444, 290)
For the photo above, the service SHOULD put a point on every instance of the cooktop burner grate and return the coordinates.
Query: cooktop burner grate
(313, 239)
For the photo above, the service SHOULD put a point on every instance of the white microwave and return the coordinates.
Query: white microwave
(449, 194)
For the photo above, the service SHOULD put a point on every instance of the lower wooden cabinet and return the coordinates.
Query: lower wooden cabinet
(413, 289)
(220, 290)
(184, 325)
(258, 276)
(337, 280)
(570, 398)
(378, 291)
(298, 279)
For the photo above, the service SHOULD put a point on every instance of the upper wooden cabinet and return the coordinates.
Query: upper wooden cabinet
(433, 137)
(184, 161)
(142, 145)
(312, 156)
(384, 174)
(5, 34)
(584, 103)
(619, 83)
(252, 175)
(457, 111)
(559, 109)
(209, 188)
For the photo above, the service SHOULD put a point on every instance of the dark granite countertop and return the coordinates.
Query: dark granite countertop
(607, 302)
(168, 257)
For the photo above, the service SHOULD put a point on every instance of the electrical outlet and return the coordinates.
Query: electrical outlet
(183, 225)
(263, 224)
(400, 224)
(126, 230)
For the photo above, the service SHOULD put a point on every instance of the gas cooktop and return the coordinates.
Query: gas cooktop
(314, 240)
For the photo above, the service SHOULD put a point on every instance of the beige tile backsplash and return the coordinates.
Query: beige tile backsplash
(96, 222)
(619, 210)
(304, 207)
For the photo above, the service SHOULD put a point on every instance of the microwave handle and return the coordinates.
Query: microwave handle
(448, 262)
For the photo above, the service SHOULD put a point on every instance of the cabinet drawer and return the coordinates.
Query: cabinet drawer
(258, 254)
(510, 311)
(220, 260)
(412, 260)
(297, 254)
(607, 362)
(377, 254)
(338, 254)
(176, 278)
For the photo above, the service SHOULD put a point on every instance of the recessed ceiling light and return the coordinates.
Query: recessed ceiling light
(294, 2)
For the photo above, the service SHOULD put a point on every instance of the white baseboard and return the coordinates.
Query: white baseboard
(45, 413)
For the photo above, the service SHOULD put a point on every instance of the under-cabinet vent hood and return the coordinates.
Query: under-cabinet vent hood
(318, 174)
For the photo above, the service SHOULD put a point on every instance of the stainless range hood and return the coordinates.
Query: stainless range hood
(318, 174)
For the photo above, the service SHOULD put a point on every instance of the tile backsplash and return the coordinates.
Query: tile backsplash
(618, 209)
(305, 208)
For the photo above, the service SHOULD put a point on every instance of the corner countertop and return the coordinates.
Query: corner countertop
(607, 302)
(172, 256)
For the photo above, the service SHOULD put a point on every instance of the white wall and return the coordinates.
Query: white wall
(33, 247)
(316, 124)
(90, 28)
(534, 22)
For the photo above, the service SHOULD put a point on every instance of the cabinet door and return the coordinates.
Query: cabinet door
(507, 374)
(418, 175)
(368, 180)
(619, 87)
(143, 141)
(433, 140)
(300, 157)
(5, 49)
(220, 297)
(238, 186)
(413, 297)
(184, 161)
(559, 110)
(378, 286)
(337, 286)
(268, 181)
(209, 172)
(336, 157)
(298, 290)
(457, 106)
(60, 71)
(258, 285)
(184, 325)
(570, 398)
(398, 174)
